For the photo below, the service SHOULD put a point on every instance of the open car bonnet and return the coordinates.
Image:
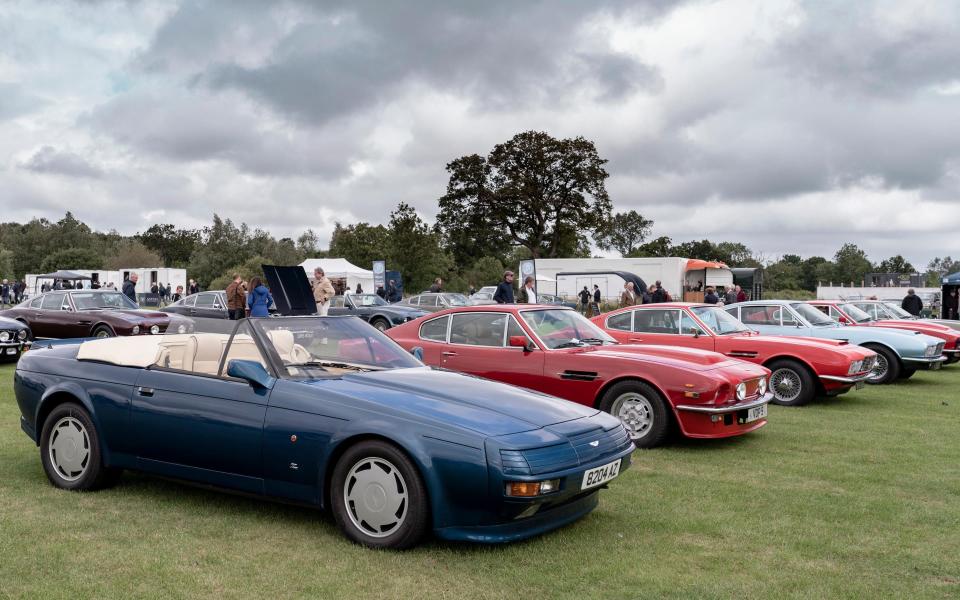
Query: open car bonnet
(290, 288)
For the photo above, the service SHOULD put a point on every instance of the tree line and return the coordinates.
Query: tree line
(533, 196)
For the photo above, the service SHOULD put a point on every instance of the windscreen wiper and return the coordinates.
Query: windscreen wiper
(336, 365)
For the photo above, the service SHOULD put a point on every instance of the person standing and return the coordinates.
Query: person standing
(193, 288)
(322, 291)
(504, 293)
(741, 295)
(178, 295)
(437, 286)
(130, 287)
(730, 297)
(628, 297)
(711, 296)
(393, 292)
(236, 300)
(585, 300)
(596, 300)
(657, 296)
(528, 295)
(359, 288)
(951, 305)
(259, 299)
(912, 303)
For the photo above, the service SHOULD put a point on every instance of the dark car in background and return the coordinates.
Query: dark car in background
(14, 339)
(86, 313)
(434, 301)
(374, 310)
(210, 305)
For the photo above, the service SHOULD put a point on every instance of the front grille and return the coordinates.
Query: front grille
(940, 348)
(558, 457)
(869, 363)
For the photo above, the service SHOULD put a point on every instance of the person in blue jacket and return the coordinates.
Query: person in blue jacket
(259, 298)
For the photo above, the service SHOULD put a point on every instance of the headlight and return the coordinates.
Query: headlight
(930, 352)
(763, 386)
(741, 391)
(154, 329)
(22, 335)
(136, 329)
(181, 328)
(855, 367)
(4, 336)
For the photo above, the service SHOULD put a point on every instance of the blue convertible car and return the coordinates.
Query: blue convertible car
(325, 411)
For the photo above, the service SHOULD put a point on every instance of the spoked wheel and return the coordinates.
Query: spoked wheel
(791, 384)
(887, 368)
(70, 450)
(640, 409)
(103, 332)
(378, 496)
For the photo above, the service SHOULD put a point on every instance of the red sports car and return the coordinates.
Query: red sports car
(849, 313)
(557, 351)
(801, 367)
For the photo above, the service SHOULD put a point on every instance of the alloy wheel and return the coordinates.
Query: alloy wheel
(69, 448)
(376, 497)
(635, 412)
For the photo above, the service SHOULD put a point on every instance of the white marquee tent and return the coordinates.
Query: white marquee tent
(341, 268)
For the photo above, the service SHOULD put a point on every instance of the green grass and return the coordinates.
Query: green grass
(855, 497)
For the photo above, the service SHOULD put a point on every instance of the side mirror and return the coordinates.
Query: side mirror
(844, 320)
(521, 341)
(695, 331)
(417, 353)
(251, 371)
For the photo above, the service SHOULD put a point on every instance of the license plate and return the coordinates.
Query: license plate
(935, 366)
(757, 412)
(11, 350)
(600, 475)
(860, 385)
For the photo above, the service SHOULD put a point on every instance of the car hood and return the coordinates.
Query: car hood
(898, 339)
(918, 325)
(8, 323)
(685, 358)
(400, 311)
(461, 400)
(839, 346)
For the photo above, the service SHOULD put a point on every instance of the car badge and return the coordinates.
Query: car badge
(595, 443)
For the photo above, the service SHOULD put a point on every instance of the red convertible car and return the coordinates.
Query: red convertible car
(849, 313)
(86, 313)
(801, 367)
(557, 351)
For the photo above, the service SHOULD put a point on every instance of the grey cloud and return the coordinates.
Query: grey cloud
(15, 101)
(61, 162)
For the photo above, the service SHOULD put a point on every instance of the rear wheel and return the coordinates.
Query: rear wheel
(103, 331)
(641, 410)
(378, 497)
(887, 368)
(791, 383)
(70, 450)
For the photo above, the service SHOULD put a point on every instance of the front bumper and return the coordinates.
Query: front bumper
(727, 408)
(924, 360)
(848, 380)
(16, 344)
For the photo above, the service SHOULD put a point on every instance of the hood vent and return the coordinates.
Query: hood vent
(742, 354)
(579, 375)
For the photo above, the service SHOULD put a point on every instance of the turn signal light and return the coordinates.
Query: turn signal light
(523, 489)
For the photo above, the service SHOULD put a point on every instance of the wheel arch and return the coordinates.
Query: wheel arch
(804, 364)
(102, 323)
(674, 416)
(62, 394)
(873, 343)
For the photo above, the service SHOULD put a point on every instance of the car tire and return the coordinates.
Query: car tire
(952, 360)
(9, 358)
(103, 331)
(380, 324)
(70, 451)
(791, 383)
(394, 512)
(888, 366)
(906, 373)
(642, 411)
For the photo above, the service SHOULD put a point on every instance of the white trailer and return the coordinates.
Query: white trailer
(150, 275)
(679, 276)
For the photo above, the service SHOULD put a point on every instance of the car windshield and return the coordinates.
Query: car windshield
(564, 328)
(812, 315)
(719, 320)
(311, 347)
(94, 300)
(855, 313)
(367, 300)
(894, 311)
(456, 300)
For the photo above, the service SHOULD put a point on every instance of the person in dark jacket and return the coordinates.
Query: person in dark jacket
(359, 288)
(912, 303)
(193, 288)
(596, 300)
(259, 298)
(657, 296)
(236, 299)
(393, 292)
(130, 287)
(711, 296)
(504, 293)
(437, 286)
(741, 295)
(528, 295)
(585, 300)
(730, 297)
(950, 305)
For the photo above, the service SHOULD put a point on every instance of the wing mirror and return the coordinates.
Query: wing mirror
(695, 331)
(417, 353)
(521, 341)
(251, 371)
(844, 320)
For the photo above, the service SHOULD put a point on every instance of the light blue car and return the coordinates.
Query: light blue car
(900, 353)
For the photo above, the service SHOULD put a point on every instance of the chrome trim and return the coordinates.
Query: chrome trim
(934, 359)
(16, 344)
(729, 408)
(955, 351)
(850, 380)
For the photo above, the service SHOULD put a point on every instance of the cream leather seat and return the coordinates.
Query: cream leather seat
(203, 353)
(286, 346)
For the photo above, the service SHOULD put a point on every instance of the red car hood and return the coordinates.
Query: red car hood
(933, 328)
(686, 358)
(797, 343)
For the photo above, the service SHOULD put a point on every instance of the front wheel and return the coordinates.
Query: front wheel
(906, 373)
(790, 383)
(70, 450)
(641, 410)
(378, 497)
(887, 369)
(380, 324)
(103, 331)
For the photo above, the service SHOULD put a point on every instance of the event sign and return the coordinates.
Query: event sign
(528, 268)
(379, 270)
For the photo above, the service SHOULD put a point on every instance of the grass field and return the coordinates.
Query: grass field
(855, 497)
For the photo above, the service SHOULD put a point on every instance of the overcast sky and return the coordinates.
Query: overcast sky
(790, 126)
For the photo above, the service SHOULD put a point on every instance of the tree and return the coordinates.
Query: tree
(174, 245)
(360, 243)
(533, 189)
(661, 246)
(223, 245)
(131, 253)
(852, 264)
(308, 244)
(71, 258)
(938, 268)
(415, 249)
(895, 264)
(486, 271)
(624, 232)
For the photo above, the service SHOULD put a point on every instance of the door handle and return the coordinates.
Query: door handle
(145, 391)
(636, 339)
(448, 353)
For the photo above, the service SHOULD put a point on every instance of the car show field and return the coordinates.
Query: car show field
(857, 496)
